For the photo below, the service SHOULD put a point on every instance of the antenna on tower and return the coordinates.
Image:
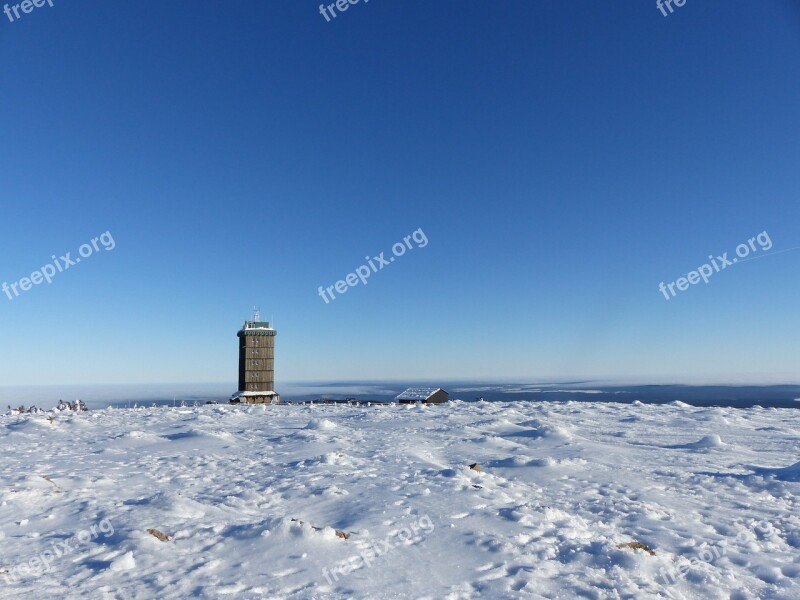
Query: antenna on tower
(256, 314)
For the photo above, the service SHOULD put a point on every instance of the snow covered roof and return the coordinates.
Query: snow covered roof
(420, 393)
(256, 325)
(249, 394)
(256, 328)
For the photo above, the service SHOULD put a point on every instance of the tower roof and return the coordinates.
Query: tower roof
(256, 325)
(256, 328)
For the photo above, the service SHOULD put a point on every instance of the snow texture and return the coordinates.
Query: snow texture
(258, 501)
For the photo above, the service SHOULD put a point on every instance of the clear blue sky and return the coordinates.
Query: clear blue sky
(562, 158)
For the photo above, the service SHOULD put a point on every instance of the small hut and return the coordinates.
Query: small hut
(424, 395)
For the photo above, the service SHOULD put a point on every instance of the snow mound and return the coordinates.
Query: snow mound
(137, 436)
(709, 441)
(336, 458)
(331, 458)
(526, 461)
(174, 504)
(321, 425)
(547, 461)
(511, 461)
(791, 473)
(125, 562)
(541, 430)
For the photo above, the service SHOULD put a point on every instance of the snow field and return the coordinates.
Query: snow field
(252, 498)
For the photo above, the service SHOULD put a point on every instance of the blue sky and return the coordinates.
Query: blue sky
(562, 159)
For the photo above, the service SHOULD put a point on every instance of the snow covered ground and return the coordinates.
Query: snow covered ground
(712, 491)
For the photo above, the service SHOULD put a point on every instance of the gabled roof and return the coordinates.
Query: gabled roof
(418, 393)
